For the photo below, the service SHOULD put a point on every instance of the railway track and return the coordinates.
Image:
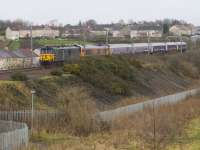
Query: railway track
(32, 73)
(20, 70)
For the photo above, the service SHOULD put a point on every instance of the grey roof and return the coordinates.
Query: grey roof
(16, 54)
(7, 54)
(24, 53)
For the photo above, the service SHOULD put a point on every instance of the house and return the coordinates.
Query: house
(181, 29)
(9, 60)
(195, 38)
(98, 33)
(75, 33)
(30, 59)
(18, 59)
(196, 31)
(117, 34)
(14, 34)
(145, 33)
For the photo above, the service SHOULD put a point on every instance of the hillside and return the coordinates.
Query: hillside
(109, 81)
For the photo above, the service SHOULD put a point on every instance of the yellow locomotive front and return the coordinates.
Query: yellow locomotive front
(47, 57)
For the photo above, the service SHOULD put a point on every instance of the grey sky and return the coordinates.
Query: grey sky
(104, 11)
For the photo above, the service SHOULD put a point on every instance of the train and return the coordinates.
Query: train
(57, 54)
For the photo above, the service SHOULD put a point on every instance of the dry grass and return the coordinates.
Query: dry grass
(151, 129)
(158, 127)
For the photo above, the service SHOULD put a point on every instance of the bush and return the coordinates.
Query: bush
(181, 67)
(119, 89)
(56, 73)
(136, 63)
(18, 76)
(110, 73)
(79, 109)
(72, 68)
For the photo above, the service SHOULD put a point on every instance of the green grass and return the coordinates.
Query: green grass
(44, 42)
(190, 140)
(48, 138)
(13, 45)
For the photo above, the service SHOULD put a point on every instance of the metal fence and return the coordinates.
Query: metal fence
(41, 118)
(171, 99)
(13, 135)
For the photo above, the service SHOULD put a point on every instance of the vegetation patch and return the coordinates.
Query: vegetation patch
(18, 76)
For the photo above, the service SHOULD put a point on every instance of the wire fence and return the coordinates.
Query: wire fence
(127, 110)
(13, 135)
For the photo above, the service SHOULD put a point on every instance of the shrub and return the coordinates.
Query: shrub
(183, 68)
(136, 63)
(79, 109)
(118, 88)
(72, 68)
(18, 76)
(56, 73)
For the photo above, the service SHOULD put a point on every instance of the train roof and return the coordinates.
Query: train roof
(145, 44)
(120, 45)
(95, 46)
(62, 46)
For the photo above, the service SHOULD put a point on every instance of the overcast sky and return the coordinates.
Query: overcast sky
(104, 11)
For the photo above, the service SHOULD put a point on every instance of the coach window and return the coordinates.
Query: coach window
(69, 52)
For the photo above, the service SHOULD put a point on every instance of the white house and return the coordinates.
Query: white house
(145, 33)
(181, 30)
(98, 33)
(13, 34)
(196, 31)
(117, 34)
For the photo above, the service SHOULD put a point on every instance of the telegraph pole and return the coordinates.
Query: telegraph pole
(107, 34)
(31, 35)
(181, 44)
(32, 109)
(154, 127)
(148, 43)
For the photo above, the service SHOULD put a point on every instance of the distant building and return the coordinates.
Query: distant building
(71, 33)
(98, 33)
(181, 30)
(18, 59)
(14, 34)
(196, 31)
(117, 34)
(195, 38)
(145, 33)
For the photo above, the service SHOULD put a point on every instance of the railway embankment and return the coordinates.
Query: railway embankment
(109, 81)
